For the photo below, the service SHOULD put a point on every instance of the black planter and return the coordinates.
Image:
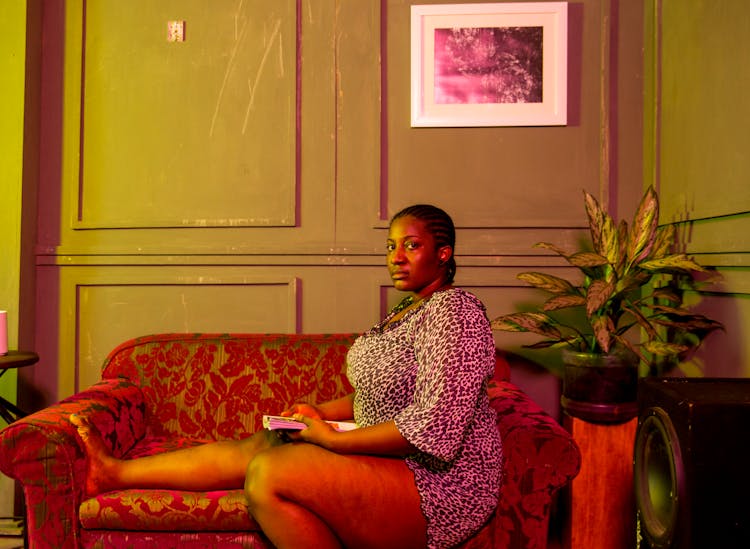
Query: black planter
(600, 388)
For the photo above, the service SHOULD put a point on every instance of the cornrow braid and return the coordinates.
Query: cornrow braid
(439, 224)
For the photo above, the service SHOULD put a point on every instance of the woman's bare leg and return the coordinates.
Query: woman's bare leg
(304, 496)
(213, 466)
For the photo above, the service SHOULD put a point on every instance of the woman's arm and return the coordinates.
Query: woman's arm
(334, 410)
(383, 439)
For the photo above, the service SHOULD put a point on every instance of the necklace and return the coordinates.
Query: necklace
(409, 303)
(403, 304)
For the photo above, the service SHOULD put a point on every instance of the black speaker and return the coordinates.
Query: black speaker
(692, 463)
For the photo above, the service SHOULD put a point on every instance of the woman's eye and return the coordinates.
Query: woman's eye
(390, 247)
(411, 245)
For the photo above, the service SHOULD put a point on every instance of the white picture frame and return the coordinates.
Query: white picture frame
(498, 64)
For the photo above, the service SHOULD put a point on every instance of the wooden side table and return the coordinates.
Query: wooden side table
(14, 359)
(602, 495)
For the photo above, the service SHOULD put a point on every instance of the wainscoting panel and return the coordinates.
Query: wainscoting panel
(211, 116)
(110, 314)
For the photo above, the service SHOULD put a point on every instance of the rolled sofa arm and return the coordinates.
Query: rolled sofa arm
(43, 452)
(540, 457)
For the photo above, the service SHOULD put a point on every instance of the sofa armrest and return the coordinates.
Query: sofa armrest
(43, 452)
(540, 457)
(533, 439)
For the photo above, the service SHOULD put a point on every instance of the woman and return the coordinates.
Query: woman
(424, 467)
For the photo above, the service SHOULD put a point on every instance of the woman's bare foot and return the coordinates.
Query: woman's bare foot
(101, 465)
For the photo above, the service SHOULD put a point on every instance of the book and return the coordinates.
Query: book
(291, 424)
(11, 526)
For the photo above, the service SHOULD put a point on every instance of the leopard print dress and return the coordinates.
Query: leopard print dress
(428, 371)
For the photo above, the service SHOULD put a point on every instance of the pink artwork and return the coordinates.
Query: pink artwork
(488, 65)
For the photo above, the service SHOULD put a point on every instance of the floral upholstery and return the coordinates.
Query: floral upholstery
(168, 391)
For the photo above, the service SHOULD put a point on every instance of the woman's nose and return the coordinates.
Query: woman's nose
(397, 255)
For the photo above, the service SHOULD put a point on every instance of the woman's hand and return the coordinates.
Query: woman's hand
(381, 439)
(304, 409)
(317, 432)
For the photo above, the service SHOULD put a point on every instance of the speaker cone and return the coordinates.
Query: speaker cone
(658, 477)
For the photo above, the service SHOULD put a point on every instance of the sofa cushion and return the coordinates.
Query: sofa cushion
(168, 511)
(218, 386)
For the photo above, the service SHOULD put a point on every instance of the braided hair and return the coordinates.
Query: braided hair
(440, 226)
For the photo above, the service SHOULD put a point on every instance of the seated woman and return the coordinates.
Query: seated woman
(424, 466)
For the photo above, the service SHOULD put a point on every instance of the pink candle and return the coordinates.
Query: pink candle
(3, 332)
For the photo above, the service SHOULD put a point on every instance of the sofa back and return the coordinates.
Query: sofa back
(218, 386)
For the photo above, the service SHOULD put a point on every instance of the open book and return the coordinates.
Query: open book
(290, 424)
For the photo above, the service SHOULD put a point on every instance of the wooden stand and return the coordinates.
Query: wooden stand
(602, 507)
(14, 359)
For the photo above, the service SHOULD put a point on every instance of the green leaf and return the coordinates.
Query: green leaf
(667, 293)
(538, 323)
(662, 348)
(674, 311)
(603, 329)
(641, 319)
(597, 295)
(692, 323)
(622, 239)
(587, 259)
(596, 220)
(663, 242)
(545, 344)
(563, 302)
(675, 261)
(610, 241)
(628, 345)
(548, 246)
(643, 232)
(553, 284)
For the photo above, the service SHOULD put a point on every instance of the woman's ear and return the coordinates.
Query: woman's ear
(444, 254)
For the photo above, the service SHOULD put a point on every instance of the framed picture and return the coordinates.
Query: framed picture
(489, 64)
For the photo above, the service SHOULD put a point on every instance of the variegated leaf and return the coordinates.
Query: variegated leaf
(537, 323)
(610, 240)
(692, 322)
(643, 231)
(596, 220)
(602, 332)
(548, 246)
(665, 292)
(642, 321)
(563, 302)
(587, 259)
(629, 345)
(545, 344)
(597, 295)
(676, 261)
(663, 242)
(553, 284)
(662, 348)
(622, 239)
(665, 309)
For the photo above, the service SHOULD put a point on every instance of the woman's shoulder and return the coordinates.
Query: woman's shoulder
(457, 297)
(456, 293)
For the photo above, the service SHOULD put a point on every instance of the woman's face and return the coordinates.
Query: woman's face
(414, 261)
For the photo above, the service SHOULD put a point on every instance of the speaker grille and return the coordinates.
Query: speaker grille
(658, 477)
(691, 456)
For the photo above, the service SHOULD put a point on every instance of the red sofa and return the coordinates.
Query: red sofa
(167, 391)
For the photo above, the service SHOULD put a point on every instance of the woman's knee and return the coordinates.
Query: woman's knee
(257, 478)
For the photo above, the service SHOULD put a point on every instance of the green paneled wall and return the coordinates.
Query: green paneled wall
(696, 152)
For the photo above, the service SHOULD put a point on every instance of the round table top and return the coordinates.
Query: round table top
(16, 359)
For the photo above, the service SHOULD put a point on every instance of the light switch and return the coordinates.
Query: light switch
(175, 31)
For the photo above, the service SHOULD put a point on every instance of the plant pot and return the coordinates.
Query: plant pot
(600, 388)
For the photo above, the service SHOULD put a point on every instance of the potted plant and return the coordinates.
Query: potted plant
(631, 295)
